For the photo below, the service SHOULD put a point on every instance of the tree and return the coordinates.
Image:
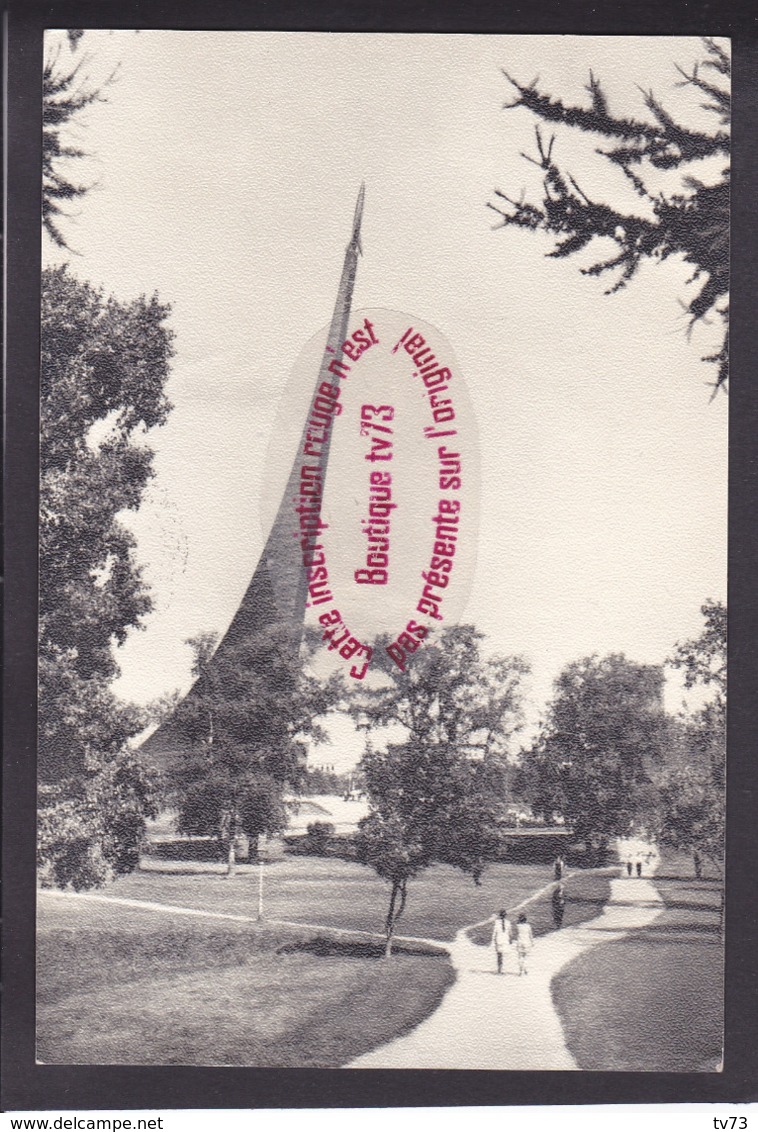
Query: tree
(691, 221)
(692, 785)
(438, 795)
(104, 366)
(318, 835)
(87, 837)
(704, 658)
(242, 731)
(602, 739)
(66, 92)
(692, 818)
(104, 369)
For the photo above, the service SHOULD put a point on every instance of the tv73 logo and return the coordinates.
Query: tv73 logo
(730, 1122)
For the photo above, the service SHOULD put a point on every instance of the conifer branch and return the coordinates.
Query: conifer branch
(692, 223)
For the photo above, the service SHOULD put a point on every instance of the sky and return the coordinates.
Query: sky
(225, 170)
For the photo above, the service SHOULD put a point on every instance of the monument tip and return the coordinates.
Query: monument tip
(356, 237)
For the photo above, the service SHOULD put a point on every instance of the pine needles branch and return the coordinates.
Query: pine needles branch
(691, 223)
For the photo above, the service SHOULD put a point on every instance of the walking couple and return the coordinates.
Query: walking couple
(504, 935)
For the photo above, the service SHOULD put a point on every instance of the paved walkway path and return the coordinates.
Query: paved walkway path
(487, 1021)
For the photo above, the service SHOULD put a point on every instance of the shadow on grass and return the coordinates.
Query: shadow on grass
(117, 988)
(667, 933)
(654, 999)
(696, 906)
(676, 878)
(481, 934)
(326, 947)
(651, 1002)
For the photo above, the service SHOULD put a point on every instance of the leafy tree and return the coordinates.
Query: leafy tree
(242, 736)
(704, 658)
(603, 736)
(438, 795)
(104, 365)
(692, 785)
(86, 838)
(691, 221)
(318, 835)
(692, 804)
(104, 368)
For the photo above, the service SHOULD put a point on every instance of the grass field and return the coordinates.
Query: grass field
(122, 985)
(118, 985)
(335, 893)
(653, 1001)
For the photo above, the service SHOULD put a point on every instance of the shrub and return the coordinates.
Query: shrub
(319, 834)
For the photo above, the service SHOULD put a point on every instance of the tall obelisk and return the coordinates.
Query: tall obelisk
(278, 589)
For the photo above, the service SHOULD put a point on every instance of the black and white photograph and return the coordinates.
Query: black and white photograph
(383, 550)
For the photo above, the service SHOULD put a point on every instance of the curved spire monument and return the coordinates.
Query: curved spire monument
(278, 591)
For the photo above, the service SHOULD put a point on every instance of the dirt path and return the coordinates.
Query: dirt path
(487, 1021)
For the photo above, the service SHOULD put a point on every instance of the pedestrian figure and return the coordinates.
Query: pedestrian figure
(524, 942)
(629, 867)
(558, 867)
(501, 937)
(638, 866)
(559, 905)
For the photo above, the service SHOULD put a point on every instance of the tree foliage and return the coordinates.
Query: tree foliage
(104, 368)
(66, 92)
(242, 731)
(703, 659)
(87, 837)
(692, 802)
(691, 221)
(593, 761)
(692, 811)
(438, 795)
(104, 365)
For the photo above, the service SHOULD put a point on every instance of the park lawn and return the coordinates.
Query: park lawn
(336, 893)
(653, 1001)
(586, 895)
(118, 985)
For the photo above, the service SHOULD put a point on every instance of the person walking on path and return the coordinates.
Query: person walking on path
(558, 868)
(638, 865)
(524, 942)
(629, 867)
(481, 1025)
(559, 905)
(501, 937)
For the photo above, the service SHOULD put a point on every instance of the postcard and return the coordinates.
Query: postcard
(382, 598)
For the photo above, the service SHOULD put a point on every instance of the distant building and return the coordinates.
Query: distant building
(343, 814)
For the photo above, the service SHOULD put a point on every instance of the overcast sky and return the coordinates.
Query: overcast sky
(227, 166)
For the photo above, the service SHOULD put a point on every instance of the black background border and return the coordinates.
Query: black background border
(28, 1086)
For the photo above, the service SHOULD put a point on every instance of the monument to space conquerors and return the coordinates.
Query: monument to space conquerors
(278, 590)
